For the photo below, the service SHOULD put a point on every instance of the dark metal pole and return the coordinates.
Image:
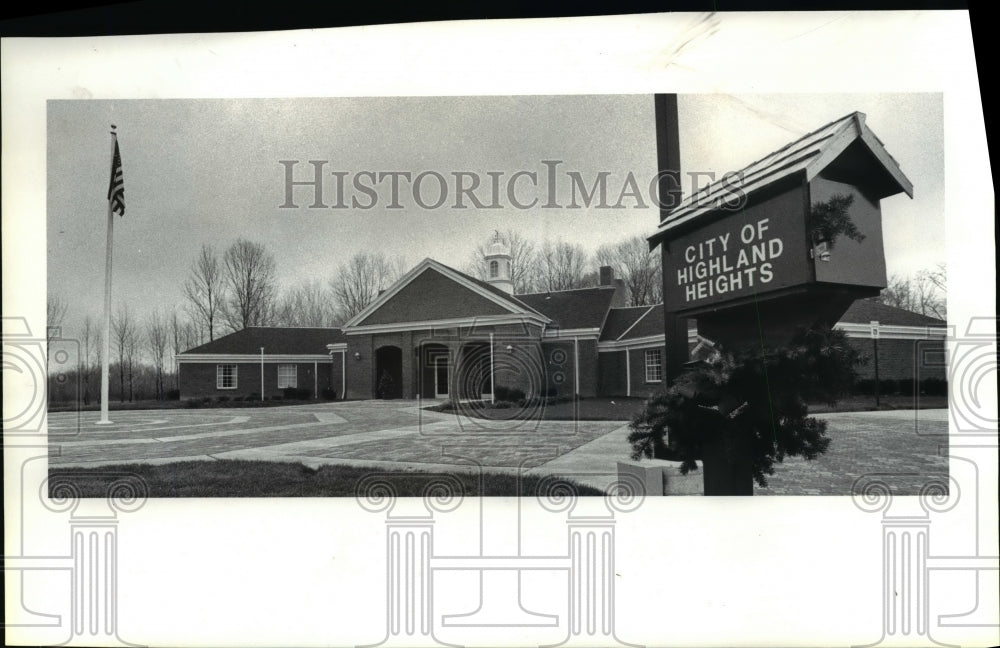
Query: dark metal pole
(877, 387)
(668, 159)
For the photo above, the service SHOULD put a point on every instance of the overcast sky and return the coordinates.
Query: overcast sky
(208, 171)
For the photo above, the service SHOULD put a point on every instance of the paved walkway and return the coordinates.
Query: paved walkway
(400, 435)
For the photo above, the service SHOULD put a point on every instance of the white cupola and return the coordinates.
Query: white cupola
(498, 265)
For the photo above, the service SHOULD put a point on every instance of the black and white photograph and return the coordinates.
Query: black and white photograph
(489, 285)
(382, 359)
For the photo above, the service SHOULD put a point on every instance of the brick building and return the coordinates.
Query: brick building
(439, 333)
(908, 345)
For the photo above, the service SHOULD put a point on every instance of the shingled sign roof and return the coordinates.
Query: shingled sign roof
(809, 154)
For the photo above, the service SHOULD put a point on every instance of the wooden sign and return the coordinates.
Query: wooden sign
(743, 254)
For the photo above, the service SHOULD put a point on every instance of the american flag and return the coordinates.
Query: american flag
(116, 189)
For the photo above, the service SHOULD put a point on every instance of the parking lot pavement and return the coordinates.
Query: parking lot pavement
(909, 445)
(904, 446)
(398, 433)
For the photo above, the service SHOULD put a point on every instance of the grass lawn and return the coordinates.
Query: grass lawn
(590, 409)
(623, 409)
(893, 402)
(232, 478)
(175, 404)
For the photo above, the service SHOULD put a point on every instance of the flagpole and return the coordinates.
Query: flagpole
(107, 302)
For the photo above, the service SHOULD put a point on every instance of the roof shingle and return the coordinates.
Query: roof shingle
(864, 311)
(572, 309)
(275, 340)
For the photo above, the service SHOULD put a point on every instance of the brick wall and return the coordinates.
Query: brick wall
(901, 359)
(433, 296)
(560, 371)
(198, 380)
(611, 377)
(611, 373)
(641, 388)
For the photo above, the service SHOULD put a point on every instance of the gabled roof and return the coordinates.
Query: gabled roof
(864, 311)
(492, 293)
(621, 320)
(649, 324)
(573, 309)
(275, 340)
(496, 291)
(809, 154)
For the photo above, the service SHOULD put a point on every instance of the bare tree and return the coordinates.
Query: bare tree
(178, 342)
(157, 334)
(306, 304)
(640, 269)
(361, 279)
(55, 313)
(249, 271)
(132, 355)
(124, 334)
(523, 261)
(924, 293)
(89, 338)
(562, 266)
(204, 289)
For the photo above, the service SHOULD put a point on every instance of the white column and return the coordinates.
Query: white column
(576, 366)
(95, 579)
(315, 380)
(262, 373)
(410, 544)
(592, 580)
(343, 375)
(628, 373)
(493, 387)
(904, 578)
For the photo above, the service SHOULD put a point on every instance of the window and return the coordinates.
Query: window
(287, 376)
(494, 269)
(225, 376)
(654, 366)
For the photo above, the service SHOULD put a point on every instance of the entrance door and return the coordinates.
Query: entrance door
(441, 377)
(388, 372)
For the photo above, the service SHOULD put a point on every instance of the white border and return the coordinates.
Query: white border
(280, 572)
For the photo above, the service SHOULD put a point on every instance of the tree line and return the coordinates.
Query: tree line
(560, 265)
(925, 292)
(236, 288)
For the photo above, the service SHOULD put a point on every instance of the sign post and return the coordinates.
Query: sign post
(668, 158)
(875, 353)
(787, 243)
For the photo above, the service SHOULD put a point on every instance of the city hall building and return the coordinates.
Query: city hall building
(438, 333)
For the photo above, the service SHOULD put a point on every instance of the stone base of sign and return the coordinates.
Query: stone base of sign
(662, 477)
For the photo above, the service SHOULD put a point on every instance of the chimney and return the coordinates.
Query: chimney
(620, 300)
(607, 278)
